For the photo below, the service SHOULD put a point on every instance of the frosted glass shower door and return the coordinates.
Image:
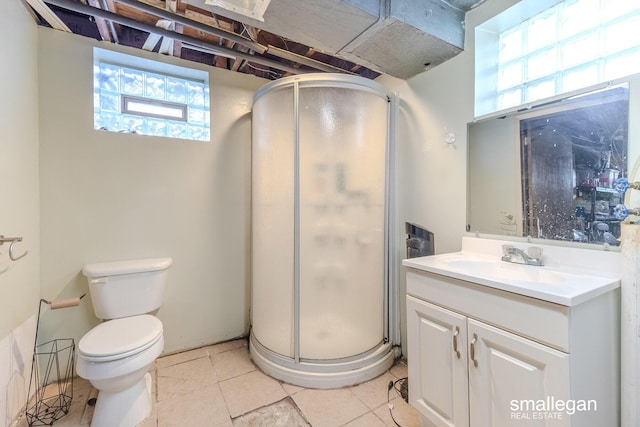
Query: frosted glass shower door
(342, 134)
(272, 221)
(319, 205)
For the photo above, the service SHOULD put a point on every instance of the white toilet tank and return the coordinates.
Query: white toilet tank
(127, 288)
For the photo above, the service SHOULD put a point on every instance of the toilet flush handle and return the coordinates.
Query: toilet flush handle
(98, 281)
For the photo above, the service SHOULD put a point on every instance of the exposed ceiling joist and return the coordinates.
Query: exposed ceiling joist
(362, 37)
(102, 24)
(166, 44)
(46, 13)
(81, 8)
(193, 24)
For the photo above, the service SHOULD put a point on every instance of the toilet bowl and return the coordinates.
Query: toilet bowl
(115, 356)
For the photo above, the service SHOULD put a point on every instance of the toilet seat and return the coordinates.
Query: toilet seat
(120, 338)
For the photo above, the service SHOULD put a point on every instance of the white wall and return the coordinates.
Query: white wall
(108, 196)
(432, 174)
(19, 215)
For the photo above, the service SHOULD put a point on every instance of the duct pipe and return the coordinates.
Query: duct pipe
(93, 11)
(162, 13)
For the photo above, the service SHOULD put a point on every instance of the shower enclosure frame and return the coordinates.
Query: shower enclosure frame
(357, 368)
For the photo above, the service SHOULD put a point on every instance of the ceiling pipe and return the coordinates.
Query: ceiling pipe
(112, 27)
(219, 32)
(309, 62)
(93, 11)
(205, 50)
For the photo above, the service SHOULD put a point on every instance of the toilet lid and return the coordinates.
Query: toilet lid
(120, 338)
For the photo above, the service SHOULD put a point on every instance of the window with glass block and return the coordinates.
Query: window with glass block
(572, 45)
(136, 100)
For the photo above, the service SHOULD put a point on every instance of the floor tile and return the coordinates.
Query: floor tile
(81, 391)
(367, 420)
(72, 419)
(374, 393)
(291, 389)
(226, 346)
(202, 407)
(183, 378)
(329, 407)
(403, 413)
(280, 414)
(399, 370)
(250, 391)
(21, 421)
(232, 363)
(225, 423)
(182, 357)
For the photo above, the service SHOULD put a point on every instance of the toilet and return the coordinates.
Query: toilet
(115, 356)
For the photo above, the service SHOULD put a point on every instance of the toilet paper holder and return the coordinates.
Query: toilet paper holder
(12, 241)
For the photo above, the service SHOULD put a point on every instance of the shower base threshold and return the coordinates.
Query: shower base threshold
(323, 374)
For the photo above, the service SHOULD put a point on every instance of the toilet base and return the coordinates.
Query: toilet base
(126, 408)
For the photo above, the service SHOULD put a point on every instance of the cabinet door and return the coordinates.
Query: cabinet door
(436, 344)
(512, 379)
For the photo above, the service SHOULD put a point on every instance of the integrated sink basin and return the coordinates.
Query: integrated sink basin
(500, 270)
(549, 283)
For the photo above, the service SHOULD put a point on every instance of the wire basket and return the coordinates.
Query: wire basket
(52, 380)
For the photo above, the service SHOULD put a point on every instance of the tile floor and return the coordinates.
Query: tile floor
(218, 385)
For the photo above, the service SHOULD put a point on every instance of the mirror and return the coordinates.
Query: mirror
(548, 172)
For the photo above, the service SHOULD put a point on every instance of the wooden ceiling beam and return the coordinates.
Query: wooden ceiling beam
(207, 19)
(181, 6)
(237, 63)
(173, 46)
(221, 62)
(177, 44)
(147, 8)
(48, 15)
(166, 43)
(102, 24)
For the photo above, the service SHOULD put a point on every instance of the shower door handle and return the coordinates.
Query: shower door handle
(456, 331)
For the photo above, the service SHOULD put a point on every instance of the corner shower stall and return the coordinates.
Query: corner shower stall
(321, 298)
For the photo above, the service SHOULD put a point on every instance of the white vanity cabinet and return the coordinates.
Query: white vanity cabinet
(485, 357)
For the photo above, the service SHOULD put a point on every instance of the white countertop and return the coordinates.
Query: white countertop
(565, 286)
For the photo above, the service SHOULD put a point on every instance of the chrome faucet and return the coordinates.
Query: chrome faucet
(533, 256)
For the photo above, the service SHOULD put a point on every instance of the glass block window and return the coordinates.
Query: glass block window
(145, 97)
(561, 46)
